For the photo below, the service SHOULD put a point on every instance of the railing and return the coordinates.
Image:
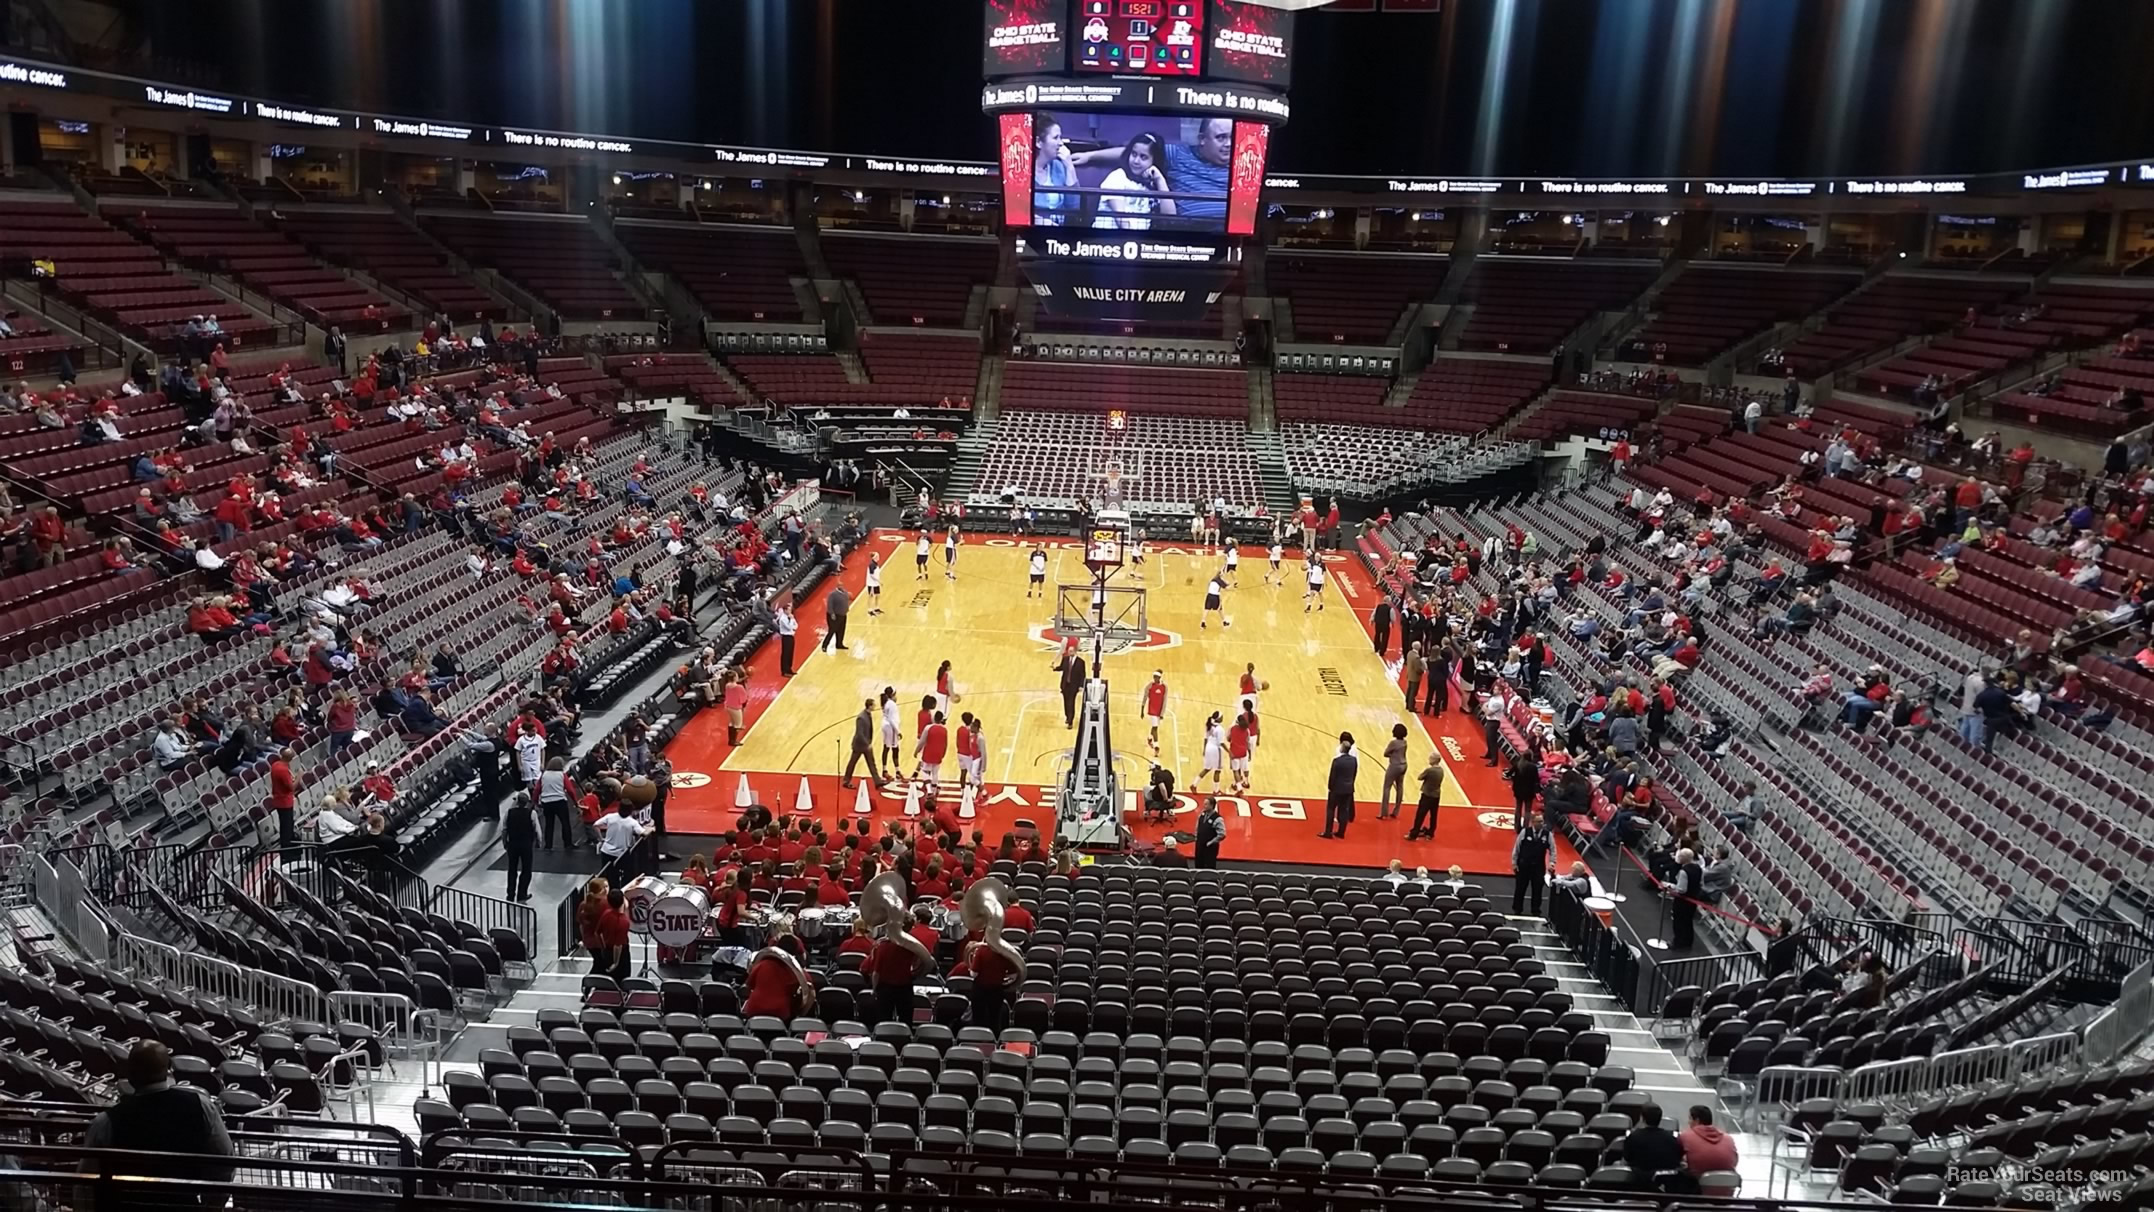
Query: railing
(705, 1178)
(2014, 964)
(67, 901)
(189, 873)
(1704, 971)
(1607, 957)
(405, 1031)
(1902, 1082)
(272, 1140)
(486, 912)
(15, 869)
(22, 757)
(278, 998)
(2115, 1031)
(1898, 943)
(1781, 1088)
(96, 862)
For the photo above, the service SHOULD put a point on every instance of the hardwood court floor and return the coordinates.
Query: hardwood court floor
(1324, 678)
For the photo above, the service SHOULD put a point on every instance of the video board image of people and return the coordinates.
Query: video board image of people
(1131, 171)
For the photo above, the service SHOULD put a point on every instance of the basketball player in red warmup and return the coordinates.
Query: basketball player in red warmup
(1238, 753)
(968, 749)
(1155, 705)
(933, 748)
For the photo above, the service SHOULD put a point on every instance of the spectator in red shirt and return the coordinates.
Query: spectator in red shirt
(49, 535)
(284, 727)
(284, 797)
(378, 785)
(342, 718)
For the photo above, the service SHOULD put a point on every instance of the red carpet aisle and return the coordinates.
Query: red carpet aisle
(1473, 827)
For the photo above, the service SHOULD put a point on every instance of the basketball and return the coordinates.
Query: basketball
(1263, 685)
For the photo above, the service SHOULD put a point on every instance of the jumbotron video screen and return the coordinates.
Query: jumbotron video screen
(1132, 172)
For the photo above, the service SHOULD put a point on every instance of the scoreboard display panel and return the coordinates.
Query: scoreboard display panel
(1024, 36)
(1139, 37)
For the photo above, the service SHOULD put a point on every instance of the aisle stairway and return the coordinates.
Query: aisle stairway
(1664, 1074)
(972, 447)
(1270, 454)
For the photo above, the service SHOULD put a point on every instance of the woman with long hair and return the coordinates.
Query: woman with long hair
(945, 688)
(887, 705)
(1215, 755)
(588, 911)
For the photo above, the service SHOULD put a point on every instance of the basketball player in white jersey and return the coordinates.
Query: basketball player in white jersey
(875, 584)
(1212, 590)
(1231, 572)
(949, 553)
(891, 735)
(919, 556)
(1136, 555)
(1314, 595)
(1274, 555)
(1215, 753)
(1036, 579)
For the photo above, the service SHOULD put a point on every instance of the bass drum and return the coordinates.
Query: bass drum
(677, 918)
(640, 894)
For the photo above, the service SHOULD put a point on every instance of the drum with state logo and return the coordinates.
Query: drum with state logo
(678, 916)
(638, 895)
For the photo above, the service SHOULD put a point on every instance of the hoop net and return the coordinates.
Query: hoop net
(1114, 615)
(1113, 472)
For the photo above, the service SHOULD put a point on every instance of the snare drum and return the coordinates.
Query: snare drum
(640, 894)
(678, 916)
(809, 924)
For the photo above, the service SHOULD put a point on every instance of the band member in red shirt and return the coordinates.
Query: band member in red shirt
(775, 987)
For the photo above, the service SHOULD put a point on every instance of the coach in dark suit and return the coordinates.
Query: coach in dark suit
(863, 745)
(1381, 620)
(1073, 680)
(1339, 789)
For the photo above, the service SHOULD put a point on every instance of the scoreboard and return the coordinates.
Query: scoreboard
(1140, 37)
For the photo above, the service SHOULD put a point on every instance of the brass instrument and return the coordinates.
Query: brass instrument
(984, 908)
(882, 907)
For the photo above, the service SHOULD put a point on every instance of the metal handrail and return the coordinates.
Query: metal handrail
(279, 998)
(840, 1180)
(15, 874)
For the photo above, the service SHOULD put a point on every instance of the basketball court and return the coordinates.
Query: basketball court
(1324, 678)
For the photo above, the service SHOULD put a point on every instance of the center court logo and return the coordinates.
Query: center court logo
(690, 778)
(1051, 639)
